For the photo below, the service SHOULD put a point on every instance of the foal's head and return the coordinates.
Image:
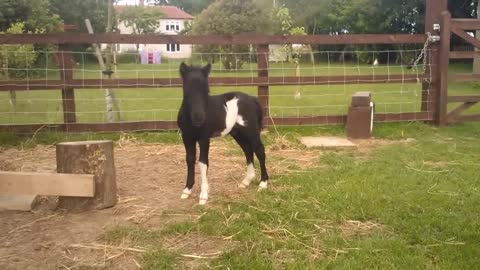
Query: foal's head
(195, 91)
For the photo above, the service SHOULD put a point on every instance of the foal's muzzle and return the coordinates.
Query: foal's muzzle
(198, 120)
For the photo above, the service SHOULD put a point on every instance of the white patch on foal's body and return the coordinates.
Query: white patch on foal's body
(186, 193)
(249, 177)
(204, 186)
(232, 117)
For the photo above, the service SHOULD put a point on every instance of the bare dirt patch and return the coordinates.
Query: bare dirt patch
(150, 178)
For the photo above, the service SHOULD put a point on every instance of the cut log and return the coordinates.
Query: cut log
(89, 157)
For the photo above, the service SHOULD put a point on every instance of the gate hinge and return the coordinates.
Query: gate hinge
(434, 39)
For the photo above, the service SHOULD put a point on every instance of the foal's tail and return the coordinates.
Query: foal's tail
(259, 110)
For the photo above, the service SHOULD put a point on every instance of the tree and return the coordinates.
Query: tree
(228, 17)
(142, 20)
(12, 11)
(192, 7)
(36, 14)
(282, 24)
(41, 18)
(76, 11)
(16, 59)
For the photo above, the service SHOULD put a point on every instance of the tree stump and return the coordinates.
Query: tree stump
(89, 157)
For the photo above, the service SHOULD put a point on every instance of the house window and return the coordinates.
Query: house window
(172, 26)
(173, 47)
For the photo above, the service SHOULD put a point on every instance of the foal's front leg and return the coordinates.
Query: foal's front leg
(191, 154)
(203, 162)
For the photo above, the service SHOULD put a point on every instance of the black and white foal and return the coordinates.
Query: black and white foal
(202, 116)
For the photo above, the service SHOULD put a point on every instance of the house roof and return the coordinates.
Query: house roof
(171, 12)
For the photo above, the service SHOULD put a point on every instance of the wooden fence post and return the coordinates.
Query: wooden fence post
(64, 61)
(262, 71)
(433, 13)
(443, 62)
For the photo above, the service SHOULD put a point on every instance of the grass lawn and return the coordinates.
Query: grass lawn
(45, 107)
(398, 206)
(422, 199)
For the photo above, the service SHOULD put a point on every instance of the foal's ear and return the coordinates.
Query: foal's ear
(184, 69)
(206, 69)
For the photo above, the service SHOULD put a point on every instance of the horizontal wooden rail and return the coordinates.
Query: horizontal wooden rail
(468, 118)
(464, 55)
(461, 33)
(452, 99)
(398, 117)
(307, 120)
(172, 125)
(467, 24)
(228, 81)
(84, 38)
(464, 77)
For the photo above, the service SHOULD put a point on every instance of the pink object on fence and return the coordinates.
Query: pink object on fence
(150, 57)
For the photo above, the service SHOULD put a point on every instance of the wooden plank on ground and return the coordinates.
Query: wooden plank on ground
(53, 184)
(20, 202)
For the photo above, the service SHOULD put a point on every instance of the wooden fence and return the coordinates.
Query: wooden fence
(435, 78)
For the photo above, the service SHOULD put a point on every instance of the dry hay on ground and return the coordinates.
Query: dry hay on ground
(150, 178)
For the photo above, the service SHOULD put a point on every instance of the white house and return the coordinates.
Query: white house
(173, 21)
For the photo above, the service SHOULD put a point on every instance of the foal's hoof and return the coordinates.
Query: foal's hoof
(262, 186)
(202, 201)
(244, 184)
(185, 194)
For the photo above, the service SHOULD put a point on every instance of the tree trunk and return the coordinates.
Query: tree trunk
(476, 60)
(89, 157)
(109, 96)
(13, 94)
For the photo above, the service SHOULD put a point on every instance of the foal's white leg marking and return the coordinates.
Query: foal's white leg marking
(248, 178)
(204, 186)
(263, 185)
(232, 117)
(186, 193)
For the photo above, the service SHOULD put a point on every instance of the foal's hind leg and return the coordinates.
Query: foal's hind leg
(260, 153)
(248, 151)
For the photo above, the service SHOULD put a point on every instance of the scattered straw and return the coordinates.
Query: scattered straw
(137, 264)
(355, 227)
(202, 256)
(31, 223)
(105, 247)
